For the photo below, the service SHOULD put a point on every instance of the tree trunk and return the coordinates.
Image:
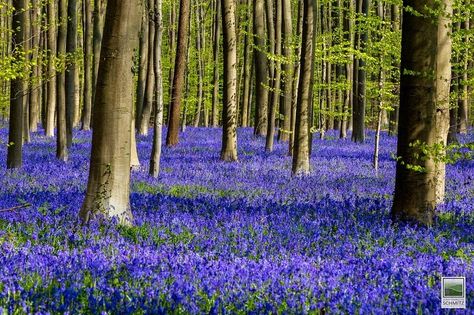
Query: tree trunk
(142, 65)
(108, 187)
(215, 82)
(144, 120)
(51, 105)
(229, 112)
(287, 96)
(88, 62)
(71, 47)
(200, 69)
(463, 109)
(424, 111)
(35, 92)
(172, 137)
(61, 139)
(17, 89)
(158, 123)
(393, 117)
(275, 74)
(301, 141)
(299, 31)
(261, 68)
(358, 133)
(99, 11)
(244, 104)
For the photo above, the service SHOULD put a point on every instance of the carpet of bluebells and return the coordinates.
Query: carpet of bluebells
(215, 237)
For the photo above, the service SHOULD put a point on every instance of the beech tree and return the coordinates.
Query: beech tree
(424, 110)
(18, 87)
(301, 140)
(158, 122)
(261, 68)
(172, 137)
(109, 176)
(229, 112)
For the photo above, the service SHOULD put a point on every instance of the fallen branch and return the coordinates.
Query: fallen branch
(26, 205)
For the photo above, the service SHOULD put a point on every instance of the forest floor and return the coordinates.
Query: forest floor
(213, 237)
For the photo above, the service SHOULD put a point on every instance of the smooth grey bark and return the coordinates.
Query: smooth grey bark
(71, 83)
(88, 62)
(287, 77)
(51, 93)
(261, 69)
(229, 112)
(158, 122)
(61, 139)
(108, 187)
(301, 141)
(215, 80)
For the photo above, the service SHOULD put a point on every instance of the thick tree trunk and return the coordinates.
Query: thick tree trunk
(108, 187)
(424, 111)
(61, 139)
(261, 69)
(229, 112)
(71, 47)
(301, 141)
(88, 62)
(158, 123)
(172, 137)
(17, 90)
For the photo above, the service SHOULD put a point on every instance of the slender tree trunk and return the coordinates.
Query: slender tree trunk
(35, 92)
(393, 117)
(299, 31)
(215, 82)
(71, 47)
(17, 89)
(288, 67)
(108, 186)
(244, 104)
(358, 133)
(301, 141)
(424, 111)
(200, 70)
(61, 139)
(142, 66)
(229, 112)
(26, 102)
(463, 110)
(88, 62)
(51, 105)
(144, 119)
(275, 95)
(172, 137)
(261, 69)
(158, 123)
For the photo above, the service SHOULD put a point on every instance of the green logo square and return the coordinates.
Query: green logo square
(453, 287)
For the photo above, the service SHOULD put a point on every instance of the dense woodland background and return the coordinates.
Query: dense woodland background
(355, 42)
(223, 156)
